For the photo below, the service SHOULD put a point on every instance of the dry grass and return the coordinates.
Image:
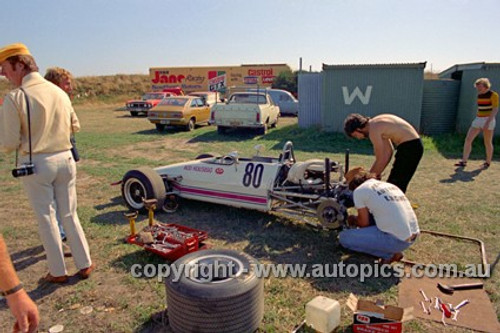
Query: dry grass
(463, 203)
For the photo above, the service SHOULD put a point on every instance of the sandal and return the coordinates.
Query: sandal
(461, 164)
(486, 165)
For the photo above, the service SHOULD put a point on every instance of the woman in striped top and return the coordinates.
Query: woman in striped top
(487, 109)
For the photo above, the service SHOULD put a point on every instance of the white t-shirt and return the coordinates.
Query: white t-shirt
(390, 208)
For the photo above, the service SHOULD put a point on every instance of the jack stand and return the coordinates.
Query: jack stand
(150, 205)
(131, 219)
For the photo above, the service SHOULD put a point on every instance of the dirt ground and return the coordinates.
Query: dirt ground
(113, 301)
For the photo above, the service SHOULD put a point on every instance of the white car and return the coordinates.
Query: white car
(254, 110)
(287, 103)
(298, 189)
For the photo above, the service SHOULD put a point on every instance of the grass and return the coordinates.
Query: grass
(462, 202)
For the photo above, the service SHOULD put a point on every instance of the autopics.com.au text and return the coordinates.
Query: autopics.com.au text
(216, 271)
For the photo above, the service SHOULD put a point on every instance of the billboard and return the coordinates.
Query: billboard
(216, 78)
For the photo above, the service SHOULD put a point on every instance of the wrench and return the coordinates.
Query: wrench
(425, 296)
(455, 314)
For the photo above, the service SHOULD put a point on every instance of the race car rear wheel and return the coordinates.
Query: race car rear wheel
(218, 292)
(330, 214)
(140, 184)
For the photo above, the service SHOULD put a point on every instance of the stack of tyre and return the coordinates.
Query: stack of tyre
(217, 292)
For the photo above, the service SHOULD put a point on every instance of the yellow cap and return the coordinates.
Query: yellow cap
(13, 50)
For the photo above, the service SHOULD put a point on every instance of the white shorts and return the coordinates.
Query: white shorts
(480, 121)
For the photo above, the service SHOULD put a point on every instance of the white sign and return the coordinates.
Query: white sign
(364, 98)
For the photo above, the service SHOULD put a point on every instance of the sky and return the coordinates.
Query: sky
(107, 37)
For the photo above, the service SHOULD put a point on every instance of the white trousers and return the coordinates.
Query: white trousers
(51, 191)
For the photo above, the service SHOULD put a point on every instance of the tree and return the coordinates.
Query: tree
(286, 81)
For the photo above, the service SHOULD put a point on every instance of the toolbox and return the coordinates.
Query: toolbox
(170, 241)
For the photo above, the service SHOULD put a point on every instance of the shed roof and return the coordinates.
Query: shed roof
(471, 66)
(357, 66)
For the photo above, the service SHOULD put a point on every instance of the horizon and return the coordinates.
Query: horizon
(128, 37)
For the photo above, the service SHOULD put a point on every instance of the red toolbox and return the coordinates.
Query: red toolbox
(171, 241)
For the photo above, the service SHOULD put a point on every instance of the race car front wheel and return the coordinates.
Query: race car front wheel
(140, 184)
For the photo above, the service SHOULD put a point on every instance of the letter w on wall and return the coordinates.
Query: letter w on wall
(364, 98)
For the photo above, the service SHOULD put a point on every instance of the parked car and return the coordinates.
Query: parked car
(288, 104)
(298, 189)
(148, 100)
(210, 97)
(184, 111)
(255, 110)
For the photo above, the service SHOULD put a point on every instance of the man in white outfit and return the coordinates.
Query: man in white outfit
(386, 223)
(51, 188)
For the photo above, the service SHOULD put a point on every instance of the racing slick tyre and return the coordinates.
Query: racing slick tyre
(221, 130)
(160, 127)
(143, 183)
(218, 292)
(190, 125)
(134, 113)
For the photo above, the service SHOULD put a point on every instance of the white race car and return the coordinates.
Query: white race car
(299, 189)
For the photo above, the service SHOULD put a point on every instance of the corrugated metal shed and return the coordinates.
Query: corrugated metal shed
(467, 103)
(310, 94)
(439, 106)
(371, 90)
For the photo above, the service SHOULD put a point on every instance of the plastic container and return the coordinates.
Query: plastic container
(323, 314)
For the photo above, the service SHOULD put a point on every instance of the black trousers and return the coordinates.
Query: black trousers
(408, 155)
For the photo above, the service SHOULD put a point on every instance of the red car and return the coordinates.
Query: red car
(150, 99)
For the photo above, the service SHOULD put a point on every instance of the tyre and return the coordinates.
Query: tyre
(218, 292)
(262, 130)
(160, 127)
(190, 125)
(134, 113)
(143, 183)
(221, 130)
(275, 124)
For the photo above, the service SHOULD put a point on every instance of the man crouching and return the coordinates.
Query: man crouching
(386, 223)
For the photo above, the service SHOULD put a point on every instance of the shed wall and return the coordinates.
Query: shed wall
(439, 106)
(310, 99)
(371, 91)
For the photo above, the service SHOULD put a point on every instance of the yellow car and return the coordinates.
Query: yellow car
(182, 111)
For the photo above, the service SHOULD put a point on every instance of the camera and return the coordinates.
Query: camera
(25, 169)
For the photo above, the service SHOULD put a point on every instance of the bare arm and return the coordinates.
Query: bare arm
(20, 304)
(383, 153)
(362, 220)
(490, 118)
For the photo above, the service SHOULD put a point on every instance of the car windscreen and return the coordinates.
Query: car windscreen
(248, 99)
(174, 101)
(153, 96)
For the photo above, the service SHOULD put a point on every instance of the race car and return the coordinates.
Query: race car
(268, 184)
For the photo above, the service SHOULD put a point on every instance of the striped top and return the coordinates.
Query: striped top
(486, 103)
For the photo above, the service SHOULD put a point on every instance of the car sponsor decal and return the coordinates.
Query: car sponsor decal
(219, 171)
(198, 168)
(229, 196)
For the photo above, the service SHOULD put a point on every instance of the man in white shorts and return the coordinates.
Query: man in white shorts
(487, 109)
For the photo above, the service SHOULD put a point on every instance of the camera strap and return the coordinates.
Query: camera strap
(29, 125)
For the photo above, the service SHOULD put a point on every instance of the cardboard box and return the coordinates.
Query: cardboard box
(371, 317)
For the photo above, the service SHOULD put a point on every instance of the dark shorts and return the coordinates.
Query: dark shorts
(405, 164)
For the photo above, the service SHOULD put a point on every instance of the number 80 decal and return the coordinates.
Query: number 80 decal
(253, 175)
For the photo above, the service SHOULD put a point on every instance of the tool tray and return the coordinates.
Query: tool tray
(170, 241)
